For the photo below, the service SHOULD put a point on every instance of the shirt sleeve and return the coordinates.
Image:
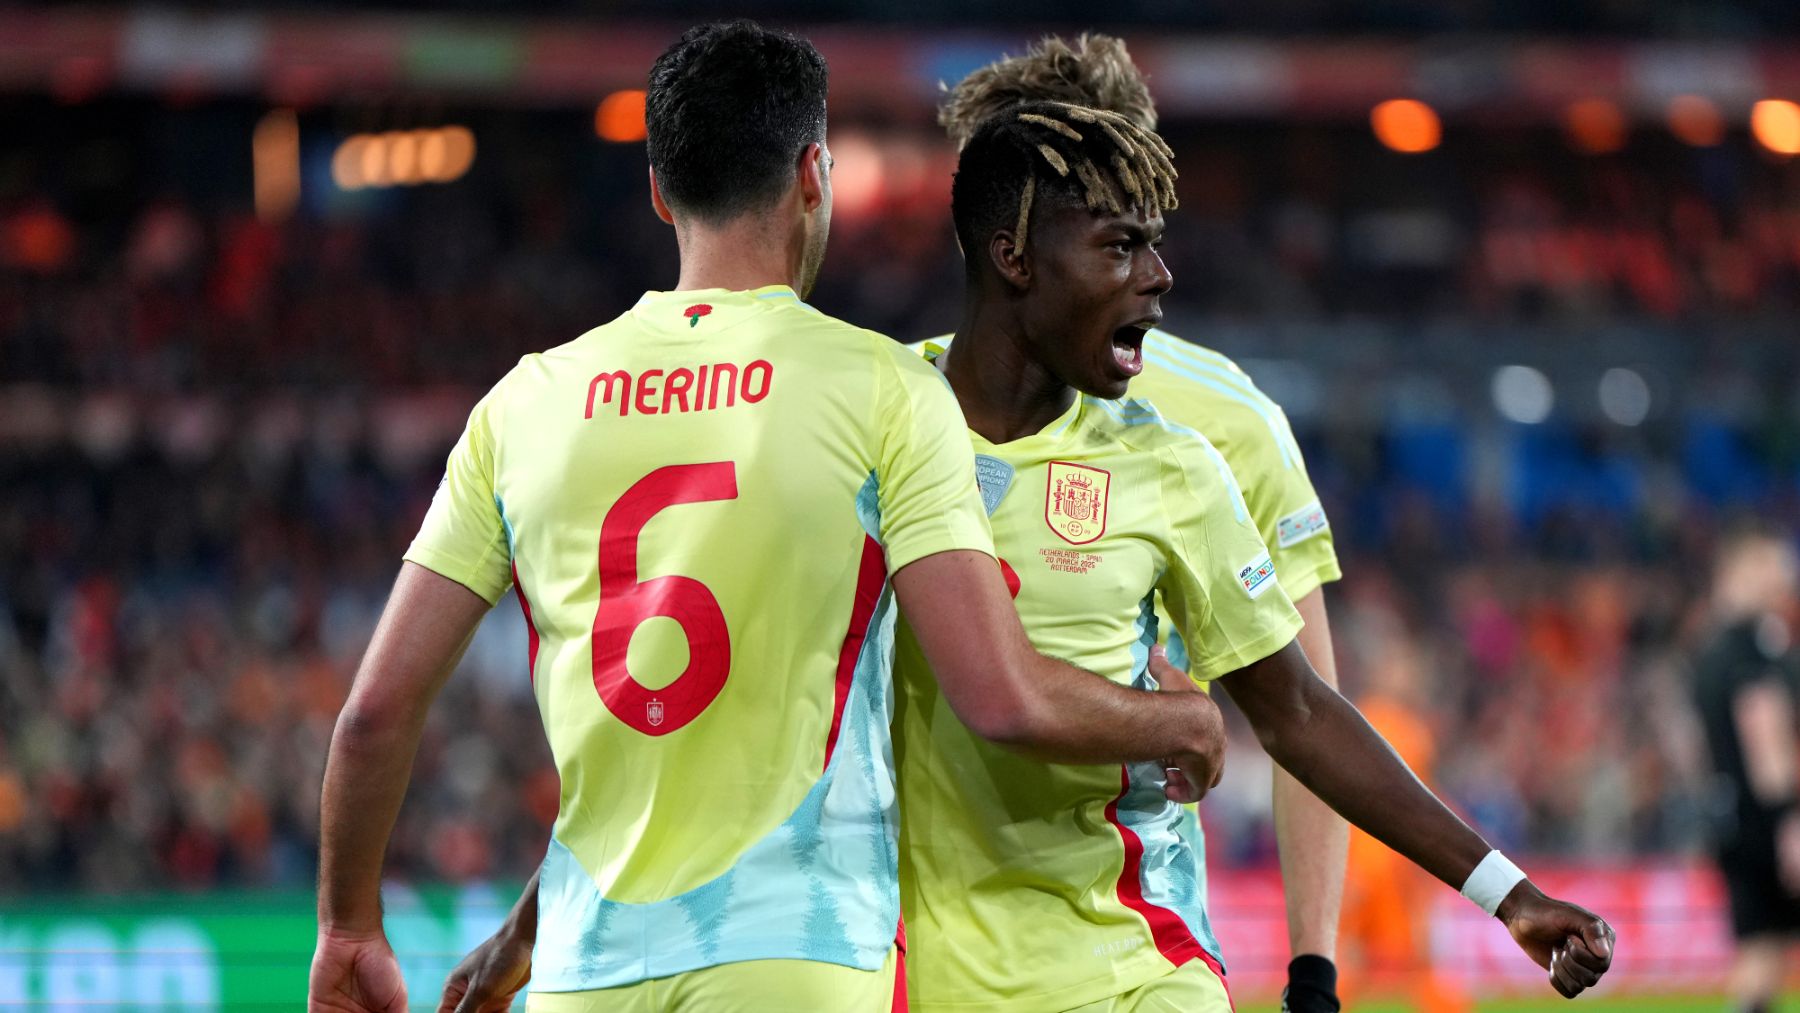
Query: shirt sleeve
(463, 536)
(1285, 506)
(1220, 583)
(925, 475)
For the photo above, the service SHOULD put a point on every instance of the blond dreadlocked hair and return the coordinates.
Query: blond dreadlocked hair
(1101, 159)
(1095, 72)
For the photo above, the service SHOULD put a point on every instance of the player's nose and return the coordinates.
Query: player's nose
(1157, 280)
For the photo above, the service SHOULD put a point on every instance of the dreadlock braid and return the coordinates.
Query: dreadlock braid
(1140, 172)
(1041, 151)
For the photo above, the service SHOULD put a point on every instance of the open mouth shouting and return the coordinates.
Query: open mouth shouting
(1128, 346)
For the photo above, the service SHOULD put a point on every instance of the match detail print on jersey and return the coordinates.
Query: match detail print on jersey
(1300, 525)
(1075, 500)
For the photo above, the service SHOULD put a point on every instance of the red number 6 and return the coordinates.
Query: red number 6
(626, 602)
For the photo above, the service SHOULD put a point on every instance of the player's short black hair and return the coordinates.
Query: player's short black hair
(1054, 152)
(728, 111)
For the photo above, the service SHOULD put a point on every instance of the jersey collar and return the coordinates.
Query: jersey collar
(933, 350)
(767, 293)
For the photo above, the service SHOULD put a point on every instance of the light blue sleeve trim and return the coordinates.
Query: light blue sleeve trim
(1233, 385)
(795, 299)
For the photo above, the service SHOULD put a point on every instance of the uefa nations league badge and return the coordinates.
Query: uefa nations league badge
(995, 477)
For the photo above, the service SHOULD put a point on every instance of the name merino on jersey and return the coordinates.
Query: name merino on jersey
(659, 392)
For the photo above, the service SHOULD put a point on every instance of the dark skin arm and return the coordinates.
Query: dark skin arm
(1317, 736)
(1313, 840)
(1008, 693)
(490, 977)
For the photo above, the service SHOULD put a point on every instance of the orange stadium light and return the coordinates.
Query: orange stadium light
(1406, 125)
(1696, 120)
(1595, 126)
(403, 158)
(620, 117)
(275, 160)
(447, 153)
(1775, 123)
(372, 168)
(858, 175)
(346, 163)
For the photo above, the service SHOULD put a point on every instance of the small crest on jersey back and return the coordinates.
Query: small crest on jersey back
(1075, 501)
(653, 713)
(995, 477)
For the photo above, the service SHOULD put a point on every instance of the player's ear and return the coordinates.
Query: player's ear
(813, 171)
(657, 202)
(1008, 258)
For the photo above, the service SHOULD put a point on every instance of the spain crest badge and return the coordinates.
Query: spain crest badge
(1075, 498)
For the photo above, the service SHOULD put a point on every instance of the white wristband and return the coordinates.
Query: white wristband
(1491, 881)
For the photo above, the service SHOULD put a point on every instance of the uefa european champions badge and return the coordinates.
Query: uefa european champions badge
(995, 477)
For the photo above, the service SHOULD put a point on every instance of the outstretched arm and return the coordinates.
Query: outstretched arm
(423, 632)
(1324, 742)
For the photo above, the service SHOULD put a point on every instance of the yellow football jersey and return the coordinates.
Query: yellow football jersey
(1204, 390)
(701, 502)
(1033, 886)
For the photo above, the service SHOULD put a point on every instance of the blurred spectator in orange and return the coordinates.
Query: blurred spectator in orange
(1385, 943)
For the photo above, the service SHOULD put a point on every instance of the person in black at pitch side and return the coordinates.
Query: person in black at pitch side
(1746, 682)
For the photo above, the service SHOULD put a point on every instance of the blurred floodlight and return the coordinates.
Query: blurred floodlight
(372, 168)
(1696, 121)
(434, 154)
(620, 117)
(1595, 126)
(1624, 396)
(346, 163)
(459, 153)
(858, 175)
(1776, 125)
(1407, 125)
(275, 161)
(403, 157)
(1523, 394)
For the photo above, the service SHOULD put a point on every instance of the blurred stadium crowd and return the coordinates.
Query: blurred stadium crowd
(217, 434)
(1274, 17)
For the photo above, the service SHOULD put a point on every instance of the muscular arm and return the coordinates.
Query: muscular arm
(1327, 745)
(1313, 840)
(1007, 692)
(423, 632)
